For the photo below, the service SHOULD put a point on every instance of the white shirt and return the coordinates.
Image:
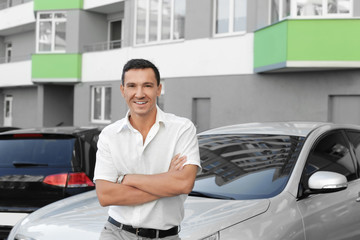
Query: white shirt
(121, 151)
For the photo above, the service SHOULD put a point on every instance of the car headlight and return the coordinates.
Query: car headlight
(215, 236)
(22, 237)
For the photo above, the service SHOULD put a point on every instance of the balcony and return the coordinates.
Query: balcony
(16, 18)
(15, 74)
(102, 46)
(307, 45)
(104, 6)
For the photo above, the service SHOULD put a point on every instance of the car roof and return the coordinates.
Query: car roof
(69, 130)
(271, 128)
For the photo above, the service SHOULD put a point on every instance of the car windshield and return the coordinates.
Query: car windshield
(36, 152)
(245, 166)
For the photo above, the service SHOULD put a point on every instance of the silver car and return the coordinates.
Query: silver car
(259, 181)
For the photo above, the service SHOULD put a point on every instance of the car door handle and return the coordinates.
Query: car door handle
(358, 199)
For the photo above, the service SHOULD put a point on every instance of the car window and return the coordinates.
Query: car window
(331, 153)
(354, 137)
(41, 152)
(246, 166)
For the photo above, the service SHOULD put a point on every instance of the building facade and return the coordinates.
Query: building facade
(221, 61)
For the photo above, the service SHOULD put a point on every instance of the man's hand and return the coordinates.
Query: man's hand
(177, 163)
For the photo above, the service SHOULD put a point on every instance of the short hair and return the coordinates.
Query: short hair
(140, 64)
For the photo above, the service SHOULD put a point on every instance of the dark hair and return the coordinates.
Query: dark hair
(140, 64)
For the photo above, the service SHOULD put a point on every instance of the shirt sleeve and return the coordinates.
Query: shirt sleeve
(188, 145)
(104, 167)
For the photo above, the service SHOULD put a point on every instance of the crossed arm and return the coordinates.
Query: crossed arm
(137, 189)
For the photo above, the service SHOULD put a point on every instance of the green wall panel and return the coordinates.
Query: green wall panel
(43, 5)
(324, 40)
(270, 45)
(56, 66)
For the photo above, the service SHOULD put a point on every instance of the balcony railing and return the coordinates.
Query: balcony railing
(11, 3)
(14, 59)
(102, 46)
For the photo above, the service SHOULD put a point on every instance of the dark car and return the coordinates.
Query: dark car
(41, 166)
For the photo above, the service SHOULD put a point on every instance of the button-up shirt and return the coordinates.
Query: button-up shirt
(121, 151)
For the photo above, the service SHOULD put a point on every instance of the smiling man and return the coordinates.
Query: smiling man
(146, 162)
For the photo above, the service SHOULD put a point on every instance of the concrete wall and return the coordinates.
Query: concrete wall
(58, 104)
(199, 19)
(24, 106)
(82, 102)
(23, 44)
(94, 28)
(266, 97)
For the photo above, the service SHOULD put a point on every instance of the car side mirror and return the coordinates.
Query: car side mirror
(325, 182)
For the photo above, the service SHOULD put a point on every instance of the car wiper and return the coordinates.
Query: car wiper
(209, 195)
(28, 164)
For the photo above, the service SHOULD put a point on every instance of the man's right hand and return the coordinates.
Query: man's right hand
(177, 163)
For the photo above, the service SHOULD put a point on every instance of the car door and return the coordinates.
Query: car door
(333, 215)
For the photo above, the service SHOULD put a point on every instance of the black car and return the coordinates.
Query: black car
(41, 166)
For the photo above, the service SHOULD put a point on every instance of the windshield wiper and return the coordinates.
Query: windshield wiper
(28, 164)
(209, 195)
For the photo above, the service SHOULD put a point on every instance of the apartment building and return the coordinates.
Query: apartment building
(221, 61)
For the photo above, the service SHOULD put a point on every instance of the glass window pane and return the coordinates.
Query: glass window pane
(166, 19)
(338, 6)
(239, 15)
(141, 21)
(332, 154)
(107, 103)
(274, 11)
(97, 103)
(60, 15)
(222, 16)
(60, 36)
(179, 19)
(45, 15)
(45, 36)
(153, 24)
(309, 8)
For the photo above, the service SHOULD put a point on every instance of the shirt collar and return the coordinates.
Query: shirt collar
(160, 118)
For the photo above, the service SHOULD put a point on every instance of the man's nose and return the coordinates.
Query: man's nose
(139, 92)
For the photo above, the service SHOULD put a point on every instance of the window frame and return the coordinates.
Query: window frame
(102, 119)
(8, 52)
(293, 11)
(53, 22)
(110, 42)
(231, 31)
(159, 24)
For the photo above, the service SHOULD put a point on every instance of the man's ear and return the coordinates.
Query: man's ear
(122, 90)
(159, 90)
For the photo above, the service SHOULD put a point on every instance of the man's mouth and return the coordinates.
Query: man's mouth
(141, 103)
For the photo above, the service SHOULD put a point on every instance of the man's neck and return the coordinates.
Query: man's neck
(142, 124)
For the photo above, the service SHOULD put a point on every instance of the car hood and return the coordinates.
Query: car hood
(82, 217)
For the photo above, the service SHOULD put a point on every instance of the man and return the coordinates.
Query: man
(146, 162)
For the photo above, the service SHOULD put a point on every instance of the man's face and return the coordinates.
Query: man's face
(140, 91)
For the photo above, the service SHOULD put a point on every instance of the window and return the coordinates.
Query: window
(355, 141)
(322, 8)
(281, 9)
(8, 110)
(101, 104)
(230, 16)
(115, 34)
(159, 20)
(51, 32)
(8, 51)
(332, 154)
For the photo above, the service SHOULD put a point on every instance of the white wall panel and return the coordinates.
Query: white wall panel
(15, 74)
(202, 57)
(17, 16)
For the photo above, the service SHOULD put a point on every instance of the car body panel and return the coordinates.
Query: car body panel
(83, 216)
(284, 216)
(332, 216)
(29, 156)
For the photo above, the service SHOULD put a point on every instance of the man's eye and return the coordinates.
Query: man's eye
(148, 85)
